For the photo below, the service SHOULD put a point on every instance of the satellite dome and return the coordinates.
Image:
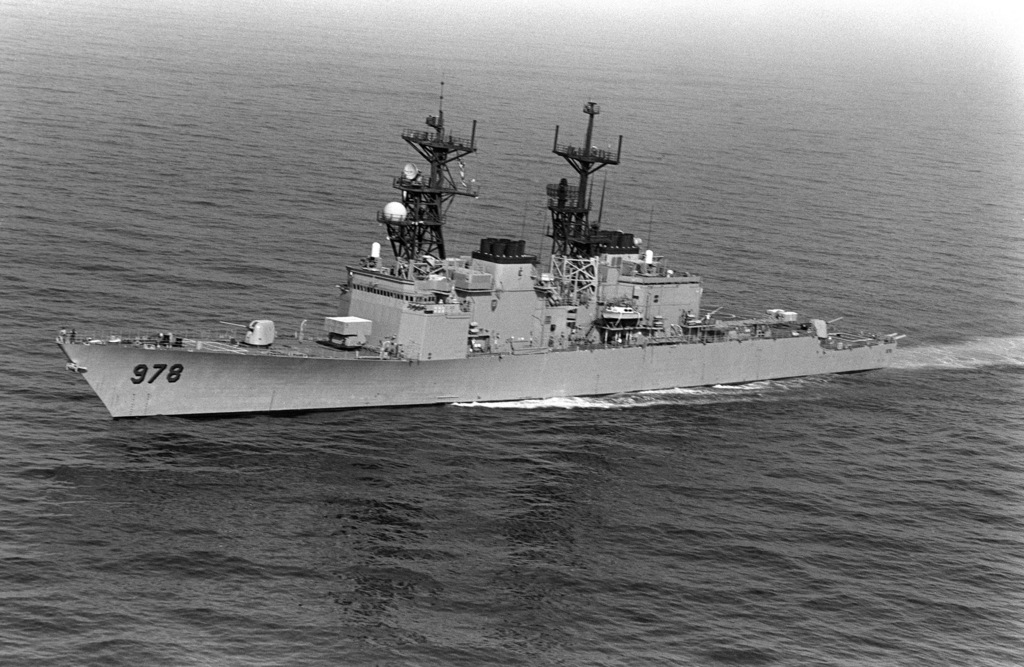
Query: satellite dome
(395, 211)
(410, 171)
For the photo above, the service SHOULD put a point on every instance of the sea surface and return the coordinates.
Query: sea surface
(166, 166)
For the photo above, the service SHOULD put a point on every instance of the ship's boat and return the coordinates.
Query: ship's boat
(606, 315)
(620, 315)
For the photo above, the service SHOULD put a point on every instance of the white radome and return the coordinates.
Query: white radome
(395, 211)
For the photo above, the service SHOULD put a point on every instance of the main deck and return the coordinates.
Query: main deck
(301, 346)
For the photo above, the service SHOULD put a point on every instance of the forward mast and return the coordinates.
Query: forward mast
(415, 229)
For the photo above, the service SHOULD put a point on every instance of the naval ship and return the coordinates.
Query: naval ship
(605, 315)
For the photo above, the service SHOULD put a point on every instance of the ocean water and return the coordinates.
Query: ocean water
(173, 165)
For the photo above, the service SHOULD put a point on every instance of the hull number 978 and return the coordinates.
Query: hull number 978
(141, 372)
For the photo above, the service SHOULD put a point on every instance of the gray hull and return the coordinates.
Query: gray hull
(212, 383)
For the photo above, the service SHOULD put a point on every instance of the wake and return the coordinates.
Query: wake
(652, 398)
(974, 353)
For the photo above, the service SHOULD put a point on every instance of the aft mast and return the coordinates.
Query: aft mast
(415, 227)
(575, 240)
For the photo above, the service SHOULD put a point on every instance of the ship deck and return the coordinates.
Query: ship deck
(226, 343)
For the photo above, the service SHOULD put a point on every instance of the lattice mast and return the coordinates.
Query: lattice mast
(573, 250)
(417, 236)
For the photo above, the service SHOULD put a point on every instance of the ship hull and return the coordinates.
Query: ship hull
(217, 383)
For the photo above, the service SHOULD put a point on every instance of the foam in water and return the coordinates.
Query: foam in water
(970, 354)
(651, 398)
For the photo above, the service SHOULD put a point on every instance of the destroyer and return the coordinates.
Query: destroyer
(605, 316)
